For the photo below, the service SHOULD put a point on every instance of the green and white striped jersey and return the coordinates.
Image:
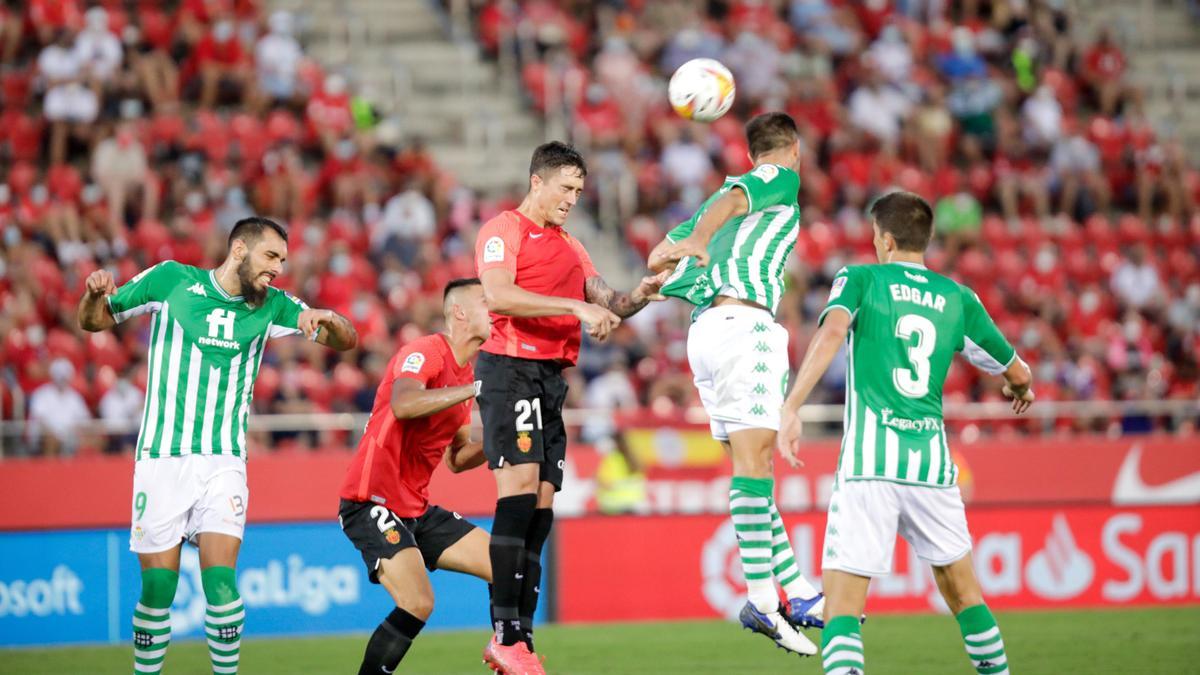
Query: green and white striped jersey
(205, 350)
(907, 324)
(748, 254)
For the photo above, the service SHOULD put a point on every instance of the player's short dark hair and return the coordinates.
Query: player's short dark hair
(459, 283)
(770, 131)
(907, 217)
(251, 229)
(553, 156)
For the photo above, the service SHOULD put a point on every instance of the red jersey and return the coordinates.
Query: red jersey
(396, 458)
(543, 260)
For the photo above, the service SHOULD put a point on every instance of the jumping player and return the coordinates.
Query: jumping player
(895, 473)
(421, 415)
(540, 286)
(729, 261)
(206, 343)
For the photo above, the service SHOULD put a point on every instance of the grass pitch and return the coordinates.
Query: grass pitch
(1142, 641)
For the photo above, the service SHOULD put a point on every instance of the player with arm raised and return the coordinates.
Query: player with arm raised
(729, 260)
(540, 285)
(902, 325)
(206, 343)
(421, 416)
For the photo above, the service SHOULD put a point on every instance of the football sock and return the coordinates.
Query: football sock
(539, 530)
(152, 619)
(389, 642)
(507, 551)
(842, 646)
(982, 638)
(223, 618)
(783, 560)
(749, 506)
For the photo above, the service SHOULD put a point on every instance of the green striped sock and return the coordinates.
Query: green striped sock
(981, 635)
(783, 559)
(152, 620)
(842, 646)
(750, 509)
(223, 619)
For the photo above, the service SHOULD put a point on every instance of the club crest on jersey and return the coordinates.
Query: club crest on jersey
(524, 442)
(493, 250)
(836, 290)
(413, 363)
(198, 290)
(392, 536)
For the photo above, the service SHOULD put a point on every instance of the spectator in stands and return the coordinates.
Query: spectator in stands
(1042, 116)
(56, 412)
(963, 61)
(1104, 71)
(1075, 162)
(1136, 281)
(49, 17)
(277, 59)
(876, 107)
(149, 53)
(686, 164)
(69, 105)
(892, 55)
(120, 408)
(958, 217)
(120, 168)
(755, 63)
(826, 28)
(408, 219)
(98, 51)
(223, 66)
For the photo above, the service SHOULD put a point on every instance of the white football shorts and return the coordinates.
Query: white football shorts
(739, 360)
(176, 498)
(866, 515)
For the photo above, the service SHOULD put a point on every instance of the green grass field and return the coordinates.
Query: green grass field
(1133, 642)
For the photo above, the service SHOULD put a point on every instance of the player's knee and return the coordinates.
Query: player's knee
(220, 585)
(419, 604)
(158, 586)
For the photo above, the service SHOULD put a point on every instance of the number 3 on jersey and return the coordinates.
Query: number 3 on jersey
(914, 382)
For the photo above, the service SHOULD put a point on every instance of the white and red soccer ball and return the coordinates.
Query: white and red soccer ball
(701, 90)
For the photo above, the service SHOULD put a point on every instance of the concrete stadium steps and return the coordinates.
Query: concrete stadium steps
(1162, 43)
(435, 87)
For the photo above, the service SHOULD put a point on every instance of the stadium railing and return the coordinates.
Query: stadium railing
(13, 433)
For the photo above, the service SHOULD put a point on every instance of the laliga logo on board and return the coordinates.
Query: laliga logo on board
(721, 567)
(1059, 571)
(280, 584)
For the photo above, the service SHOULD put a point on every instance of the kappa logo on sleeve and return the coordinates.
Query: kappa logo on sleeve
(493, 250)
(836, 290)
(413, 363)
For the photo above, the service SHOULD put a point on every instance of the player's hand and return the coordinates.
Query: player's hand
(100, 283)
(599, 321)
(649, 288)
(688, 247)
(1021, 402)
(311, 320)
(788, 439)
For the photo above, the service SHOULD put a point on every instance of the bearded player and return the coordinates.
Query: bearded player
(895, 475)
(421, 415)
(729, 261)
(206, 343)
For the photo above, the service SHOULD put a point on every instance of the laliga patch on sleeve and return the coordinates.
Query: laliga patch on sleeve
(413, 363)
(493, 250)
(766, 173)
(836, 290)
(296, 300)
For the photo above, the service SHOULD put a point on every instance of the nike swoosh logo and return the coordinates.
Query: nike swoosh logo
(1129, 488)
(385, 669)
(536, 236)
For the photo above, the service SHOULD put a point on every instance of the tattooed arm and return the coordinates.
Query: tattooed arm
(624, 304)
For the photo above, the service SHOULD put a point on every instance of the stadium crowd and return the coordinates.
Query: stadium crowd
(132, 132)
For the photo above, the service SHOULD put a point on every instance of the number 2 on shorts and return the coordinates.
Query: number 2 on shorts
(139, 504)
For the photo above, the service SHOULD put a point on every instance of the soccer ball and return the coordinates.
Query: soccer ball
(701, 90)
